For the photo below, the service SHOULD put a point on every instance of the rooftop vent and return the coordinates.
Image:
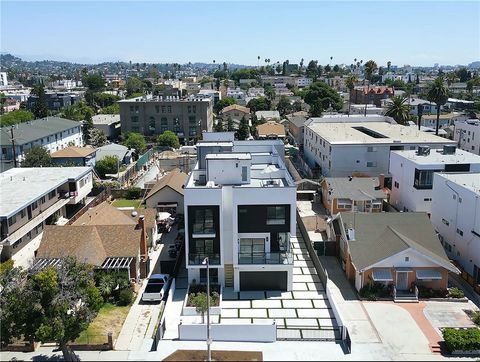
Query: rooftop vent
(423, 150)
(449, 149)
(134, 213)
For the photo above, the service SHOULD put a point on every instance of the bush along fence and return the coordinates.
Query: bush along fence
(462, 341)
(95, 342)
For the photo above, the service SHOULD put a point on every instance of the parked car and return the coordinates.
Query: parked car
(156, 288)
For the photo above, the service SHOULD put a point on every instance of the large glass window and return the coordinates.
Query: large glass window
(423, 179)
(151, 124)
(203, 223)
(193, 131)
(275, 215)
(252, 246)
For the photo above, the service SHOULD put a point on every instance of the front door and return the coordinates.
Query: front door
(29, 211)
(402, 280)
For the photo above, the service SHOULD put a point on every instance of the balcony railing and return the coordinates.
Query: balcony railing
(198, 258)
(280, 257)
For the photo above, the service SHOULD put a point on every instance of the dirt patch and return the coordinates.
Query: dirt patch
(201, 355)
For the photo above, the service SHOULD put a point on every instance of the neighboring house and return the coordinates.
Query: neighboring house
(213, 95)
(187, 118)
(277, 80)
(123, 153)
(267, 115)
(459, 104)
(364, 194)
(303, 82)
(296, 126)
(240, 211)
(34, 197)
(456, 217)
(10, 104)
(412, 174)
(235, 112)
(368, 109)
(414, 103)
(74, 156)
(107, 247)
(270, 130)
(446, 119)
(371, 94)
(255, 92)
(167, 193)
(392, 248)
(237, 94)
(339, 149)
(53, 133)
(467, 134)
(108, 123)
(55, 100)
(3, 79)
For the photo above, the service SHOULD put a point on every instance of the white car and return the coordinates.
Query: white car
(156, 288)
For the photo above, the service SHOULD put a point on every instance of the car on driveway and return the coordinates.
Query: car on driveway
(156, 288)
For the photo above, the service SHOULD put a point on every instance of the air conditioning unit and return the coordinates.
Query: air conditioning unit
(449, 149)
(423, 150)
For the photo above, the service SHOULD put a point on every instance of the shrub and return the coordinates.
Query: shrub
(425, 292)
(461, 339)
(456, 293)
(476, 317)
(133, 193)
(126, 296)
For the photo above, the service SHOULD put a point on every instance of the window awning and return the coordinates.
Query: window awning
(382, 275)
(429, 274)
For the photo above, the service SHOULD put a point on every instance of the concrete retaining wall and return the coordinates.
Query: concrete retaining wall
(229, 332)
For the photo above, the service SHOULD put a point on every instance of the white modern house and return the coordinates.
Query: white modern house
(240, 212)
(456, 217)
(52, 133)
(303, 82)
(237, 94)
(33, 197)
(412, 174)
(340, 146)
(467, 134)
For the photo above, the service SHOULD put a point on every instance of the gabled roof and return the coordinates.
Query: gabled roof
(104, 214)
(149, 213)
(73, 152)
(89, 243)
(271, 128)
(236, 107)
(298, 121)
(379, 236)
(175, 179)
(378, 90)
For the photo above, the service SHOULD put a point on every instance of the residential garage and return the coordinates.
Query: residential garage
(263, 280)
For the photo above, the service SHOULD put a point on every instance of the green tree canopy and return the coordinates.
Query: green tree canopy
(16, 116)
(136, 141)
(107, 165)
(259, 104)
(438, 94)
(77, 112)
(218, 125)
(168, 139)
(320, 96)
(37, 156)
(284, 105)
(134, 85)
(243, 129)
(112, 109)
(94, 82)
(97, 137)
(222, 103)
(230, 126)
(398, 109)
(105, 99)
(40, 109)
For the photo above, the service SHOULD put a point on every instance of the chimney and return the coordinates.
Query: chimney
(143, 239)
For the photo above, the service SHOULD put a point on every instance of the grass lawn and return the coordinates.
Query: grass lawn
(110, 318)
(197, 355)
(128, 203)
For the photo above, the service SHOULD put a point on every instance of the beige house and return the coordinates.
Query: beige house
(167, 193)
(271, 130)
(235, 112)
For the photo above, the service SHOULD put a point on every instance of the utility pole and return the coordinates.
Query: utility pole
(13, 147)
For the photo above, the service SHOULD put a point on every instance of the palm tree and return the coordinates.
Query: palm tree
(350, 83)
(398, 109)
(451, 77)
(389, 63)
(258, 62)
(438, 94)
(370, 67)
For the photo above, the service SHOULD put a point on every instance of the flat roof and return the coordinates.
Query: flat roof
(106, 118)
(470, 181)
(355, 188)
(212, 144)
(229, 156)
(373, 133)
(438, 157)
(21, 186)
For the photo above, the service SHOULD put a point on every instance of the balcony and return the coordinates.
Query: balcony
(276, 258)
(203, 230)
(198, 258)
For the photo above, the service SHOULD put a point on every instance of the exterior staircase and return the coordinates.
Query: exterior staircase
(228, 275)
(405, 296)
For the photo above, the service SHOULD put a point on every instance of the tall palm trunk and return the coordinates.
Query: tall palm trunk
(438, 120)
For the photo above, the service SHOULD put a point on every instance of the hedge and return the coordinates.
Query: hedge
(461, 339)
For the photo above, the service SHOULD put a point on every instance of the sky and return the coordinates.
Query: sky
(403, 32)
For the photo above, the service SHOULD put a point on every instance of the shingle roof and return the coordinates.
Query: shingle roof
(237, 108)
(33, 130)
(104, 214)
(355, 188)
(175, 180)
(271, 128)
(382, 235)
(89, 243)
(298, 121)
(73, 152)
(149, 213)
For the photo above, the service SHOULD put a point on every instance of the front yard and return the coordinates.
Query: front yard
(137, 204)
(110, 318)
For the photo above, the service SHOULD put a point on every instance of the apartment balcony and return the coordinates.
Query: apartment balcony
(198, 258)
(272, 258)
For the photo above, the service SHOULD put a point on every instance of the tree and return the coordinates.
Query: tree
(230, 126)
(389, 64)
(94, 82)
(320, 96)
(259, 104)
(243, 129)
(15, 116)
(37, 156)
(168, 139)
(97, 137)
(350, 83)
(199, 300)
(107, 165)
(135, 141)
(463, 74)
(218, 126)
(283, 105)
(112, 109)
(312, 70)
(105, 99)
(87, 127)
(77, 112)
(40, 109)
(134, 85)
(398, 109)
(438, 94)
(222, 103)
(370, 67)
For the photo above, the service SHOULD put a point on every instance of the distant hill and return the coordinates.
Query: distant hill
(474, 64)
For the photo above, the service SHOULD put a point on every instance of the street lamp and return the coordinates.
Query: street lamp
(209, 340)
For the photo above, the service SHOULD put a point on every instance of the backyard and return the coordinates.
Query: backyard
(137, 204)
(110, 318)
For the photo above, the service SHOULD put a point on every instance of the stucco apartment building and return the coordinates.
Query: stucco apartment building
(187, 118)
